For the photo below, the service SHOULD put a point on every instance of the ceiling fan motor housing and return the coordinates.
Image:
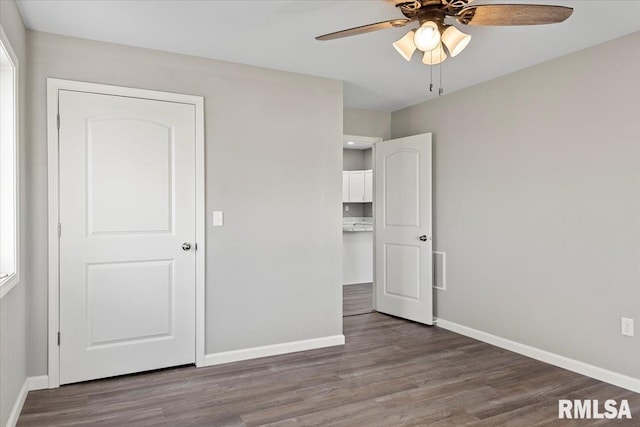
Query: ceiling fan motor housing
(415, 9)
(433, 15)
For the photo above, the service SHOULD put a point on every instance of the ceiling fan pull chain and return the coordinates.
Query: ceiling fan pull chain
(440, 90)
(431, 78)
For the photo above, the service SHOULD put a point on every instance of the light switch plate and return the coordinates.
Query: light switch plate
(218, 218)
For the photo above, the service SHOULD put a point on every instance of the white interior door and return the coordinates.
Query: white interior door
(127, 205)
(403, 239)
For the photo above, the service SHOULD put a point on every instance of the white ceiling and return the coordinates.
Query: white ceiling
(280, 35)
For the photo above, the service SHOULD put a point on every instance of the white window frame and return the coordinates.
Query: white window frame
(8, 283)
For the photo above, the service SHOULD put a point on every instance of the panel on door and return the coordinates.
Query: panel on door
(403, 239)
(127, 204)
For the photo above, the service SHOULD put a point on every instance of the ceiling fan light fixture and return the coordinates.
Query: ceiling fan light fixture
(434, 56)
(427, 37)
(455, 40)
(405, 46)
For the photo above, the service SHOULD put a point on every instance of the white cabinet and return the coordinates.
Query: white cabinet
(345, 186)
(368, 186)
(357, 257)
(357, 186)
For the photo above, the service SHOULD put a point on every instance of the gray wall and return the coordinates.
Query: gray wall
(273, 272)
(537, 203)
(367, 159)
(356, 210)
(13, 352)
(352, 160)
(367, 123)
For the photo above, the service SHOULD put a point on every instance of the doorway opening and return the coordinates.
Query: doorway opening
(357, 224)
(387, 227)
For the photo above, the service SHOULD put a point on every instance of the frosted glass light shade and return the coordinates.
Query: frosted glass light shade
(455, 40)
(435, 56)
(427, 37)
(405, 46)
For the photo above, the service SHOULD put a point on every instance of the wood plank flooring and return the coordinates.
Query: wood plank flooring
(391, 372)
(357, 299)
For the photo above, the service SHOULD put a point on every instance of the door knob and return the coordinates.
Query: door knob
(423, 238)
(186, 246)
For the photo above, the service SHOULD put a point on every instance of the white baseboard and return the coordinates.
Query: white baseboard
(272, 350)
(30, 384)
(17, 406)
(586, 369)
(38, 383)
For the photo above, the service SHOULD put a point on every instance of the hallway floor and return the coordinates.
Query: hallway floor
(357, 299)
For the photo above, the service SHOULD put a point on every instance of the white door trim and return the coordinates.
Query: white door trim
(53, 87)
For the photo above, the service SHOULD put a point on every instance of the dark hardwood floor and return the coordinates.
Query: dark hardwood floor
(391, 372)
(357, 299)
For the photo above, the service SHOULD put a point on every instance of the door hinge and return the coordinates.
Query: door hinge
(58, 120)
(59, 230)
(58, 338)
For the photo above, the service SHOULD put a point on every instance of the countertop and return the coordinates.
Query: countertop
(357, 224)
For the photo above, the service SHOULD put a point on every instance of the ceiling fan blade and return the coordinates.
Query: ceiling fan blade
(513, 14)
(393, 23)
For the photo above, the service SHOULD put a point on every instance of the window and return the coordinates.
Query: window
(8, 167)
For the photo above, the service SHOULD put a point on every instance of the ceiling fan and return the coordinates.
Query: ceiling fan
(438, 40)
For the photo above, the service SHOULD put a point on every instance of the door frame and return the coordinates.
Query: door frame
(53, 88)
(370, 141)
